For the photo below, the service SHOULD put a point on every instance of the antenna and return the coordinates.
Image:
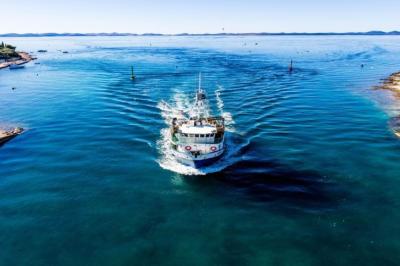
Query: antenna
(200, 81)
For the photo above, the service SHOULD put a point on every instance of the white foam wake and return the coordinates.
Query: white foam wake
(229, 122)
(181, 104)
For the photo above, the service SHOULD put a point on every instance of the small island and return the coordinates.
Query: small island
(9, 56)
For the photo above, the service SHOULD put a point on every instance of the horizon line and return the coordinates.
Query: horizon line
(76, 34)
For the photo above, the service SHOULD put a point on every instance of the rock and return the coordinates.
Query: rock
(6, 136)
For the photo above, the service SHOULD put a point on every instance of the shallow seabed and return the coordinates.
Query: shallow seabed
(311, 177)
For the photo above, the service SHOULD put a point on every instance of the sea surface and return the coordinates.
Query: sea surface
(311, 176)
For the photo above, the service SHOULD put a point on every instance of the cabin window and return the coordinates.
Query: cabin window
(196, 135)
(201, 135)
(207, 135)
(186, 135)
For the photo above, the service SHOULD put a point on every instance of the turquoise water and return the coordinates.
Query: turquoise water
(311, 177)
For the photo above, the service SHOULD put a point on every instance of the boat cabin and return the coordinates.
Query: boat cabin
(200, 131)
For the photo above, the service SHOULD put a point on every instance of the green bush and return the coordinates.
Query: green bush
(7, 51)
(10, 46)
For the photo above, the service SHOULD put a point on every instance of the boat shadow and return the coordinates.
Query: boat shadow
(271, 182)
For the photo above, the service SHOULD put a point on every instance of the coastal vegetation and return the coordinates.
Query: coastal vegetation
(7, 51)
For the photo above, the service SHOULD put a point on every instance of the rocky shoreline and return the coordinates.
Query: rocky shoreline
(392, 84)
(7, 135)
(23, 58)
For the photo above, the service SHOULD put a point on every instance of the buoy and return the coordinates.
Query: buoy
(213, 148)
(291, 66)
(188, 148)
(132, 74)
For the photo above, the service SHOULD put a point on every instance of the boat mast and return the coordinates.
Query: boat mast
(200, 108)
(200, 81)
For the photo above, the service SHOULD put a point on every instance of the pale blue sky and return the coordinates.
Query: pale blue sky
(177, 16)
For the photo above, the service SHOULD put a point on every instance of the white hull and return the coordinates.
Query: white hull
(200, 160)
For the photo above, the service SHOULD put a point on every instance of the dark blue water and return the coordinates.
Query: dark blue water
(311, 176)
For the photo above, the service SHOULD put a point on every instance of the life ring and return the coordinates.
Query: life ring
(213, 148)
(188, 148)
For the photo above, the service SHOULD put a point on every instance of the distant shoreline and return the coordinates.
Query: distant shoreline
(369, 33)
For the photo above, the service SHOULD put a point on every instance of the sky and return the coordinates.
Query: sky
(201, 16)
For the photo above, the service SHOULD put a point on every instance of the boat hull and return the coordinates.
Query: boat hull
(15, 66)
(199, 162)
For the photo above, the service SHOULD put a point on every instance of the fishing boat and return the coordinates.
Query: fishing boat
(197, 139)
(10, 134)
(16, 66)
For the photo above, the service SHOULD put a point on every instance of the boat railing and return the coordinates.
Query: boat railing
(216, 121)
(215, 140)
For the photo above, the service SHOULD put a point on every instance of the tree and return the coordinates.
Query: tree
(10, 46)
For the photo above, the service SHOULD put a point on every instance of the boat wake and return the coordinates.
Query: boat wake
(181, 105)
